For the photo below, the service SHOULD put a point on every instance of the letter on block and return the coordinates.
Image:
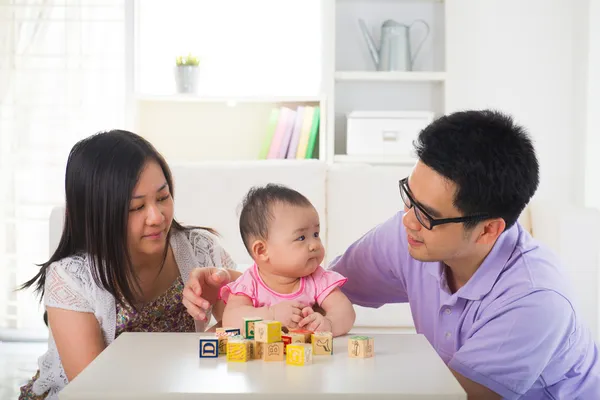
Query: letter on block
(360, 347)
(299, 354)
(239, 350)
(249, 327)
(306, 334)
(273, 351)
(209, 348)
(267, 331)
(322, 343)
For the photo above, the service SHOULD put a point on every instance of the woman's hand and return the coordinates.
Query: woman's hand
(201, 290)
(314, 321)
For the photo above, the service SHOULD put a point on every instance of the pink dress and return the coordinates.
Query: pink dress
(313, 288)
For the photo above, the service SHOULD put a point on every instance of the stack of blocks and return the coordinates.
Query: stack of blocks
(264, 340)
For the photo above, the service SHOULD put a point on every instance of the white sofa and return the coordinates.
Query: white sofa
(351, 199)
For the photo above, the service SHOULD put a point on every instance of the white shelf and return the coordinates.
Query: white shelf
(392, 76)
(191, 98)
(375, 160)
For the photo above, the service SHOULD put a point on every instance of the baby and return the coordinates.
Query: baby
(280, 229)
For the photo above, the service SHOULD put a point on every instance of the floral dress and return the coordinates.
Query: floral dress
(164, 314)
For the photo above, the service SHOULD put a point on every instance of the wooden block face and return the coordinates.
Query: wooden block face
(258, 350)
(238, 350)
(267, 331)
(299, 354)
(322, 343)
(273, 351)
(249, 324)
(228, 331)
(297, 337)
(304, 332)
(209, 348)
(222, 345)
(360, 347)
(286, 339)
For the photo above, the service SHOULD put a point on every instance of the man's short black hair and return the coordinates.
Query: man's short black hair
(257, 209)
(490, 158)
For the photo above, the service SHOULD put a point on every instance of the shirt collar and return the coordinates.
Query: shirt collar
(483, 280)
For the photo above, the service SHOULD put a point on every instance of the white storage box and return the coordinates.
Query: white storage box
(385, 133)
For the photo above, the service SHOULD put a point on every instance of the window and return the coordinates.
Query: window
(62, 78)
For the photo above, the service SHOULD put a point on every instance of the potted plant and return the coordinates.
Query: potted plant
(186, 73)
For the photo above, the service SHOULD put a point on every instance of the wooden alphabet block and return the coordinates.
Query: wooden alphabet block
(258, 350)
(286, 339)
(209, 348)
(322, 343)
(360, 347)
(273, 351)
(249, 324)
(228, 331)
(222, 345)
(304, 332)
(267, 331)
(238, 349)
(297, 337)
(299, 354)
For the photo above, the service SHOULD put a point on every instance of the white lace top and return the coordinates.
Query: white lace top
(70, 286)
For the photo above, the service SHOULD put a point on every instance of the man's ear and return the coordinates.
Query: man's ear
(492, 229)
(260, 250)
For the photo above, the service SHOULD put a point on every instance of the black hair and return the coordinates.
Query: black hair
(102, 171)
(488, 156)
(257, 209)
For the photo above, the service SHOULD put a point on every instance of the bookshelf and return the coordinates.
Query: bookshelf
(350, 78)
(189, 128)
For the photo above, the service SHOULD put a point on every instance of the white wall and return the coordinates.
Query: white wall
(517, 56)
(592, 158)
(530, 59)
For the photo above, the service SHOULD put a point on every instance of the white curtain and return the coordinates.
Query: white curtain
(62, 78)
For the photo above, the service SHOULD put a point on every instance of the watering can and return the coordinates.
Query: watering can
(394, 52)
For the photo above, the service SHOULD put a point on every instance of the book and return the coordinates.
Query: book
(293, 147)
(273, 118)
(314, 134)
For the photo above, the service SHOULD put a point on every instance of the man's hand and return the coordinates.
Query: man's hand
(201, 290)
(314, 321)
(289, 313)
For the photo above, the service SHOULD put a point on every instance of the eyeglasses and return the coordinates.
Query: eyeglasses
(424, 218)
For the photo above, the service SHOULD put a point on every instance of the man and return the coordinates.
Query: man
(491, 300)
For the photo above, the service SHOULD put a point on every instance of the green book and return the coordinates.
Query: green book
(314, 133)
(272, 124)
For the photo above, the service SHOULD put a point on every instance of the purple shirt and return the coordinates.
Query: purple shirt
(513, 327)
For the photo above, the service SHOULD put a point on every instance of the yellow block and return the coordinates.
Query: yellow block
(239, 350)
(299, 354)
(267, 331)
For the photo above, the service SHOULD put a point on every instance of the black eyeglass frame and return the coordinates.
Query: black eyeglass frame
(403, 186)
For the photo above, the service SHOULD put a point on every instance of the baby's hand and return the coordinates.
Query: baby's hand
(314, 321)
(289, 313)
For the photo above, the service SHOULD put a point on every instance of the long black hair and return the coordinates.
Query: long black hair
(102, 171)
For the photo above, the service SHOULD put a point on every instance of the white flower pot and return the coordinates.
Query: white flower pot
(186, 78)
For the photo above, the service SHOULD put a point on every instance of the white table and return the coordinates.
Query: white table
(167, 366)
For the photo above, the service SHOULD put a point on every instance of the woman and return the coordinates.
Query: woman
(122, 259)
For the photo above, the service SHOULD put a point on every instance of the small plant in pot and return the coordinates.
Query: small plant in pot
(186, 73)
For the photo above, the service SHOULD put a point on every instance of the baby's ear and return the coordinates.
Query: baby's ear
(260, 250)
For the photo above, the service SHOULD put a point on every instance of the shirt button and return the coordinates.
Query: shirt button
(448, 311)
(448, 335)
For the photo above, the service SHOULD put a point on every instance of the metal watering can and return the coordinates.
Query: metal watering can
(394, 52)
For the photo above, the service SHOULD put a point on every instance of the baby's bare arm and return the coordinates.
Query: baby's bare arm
(238, 307)
(340, 312)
